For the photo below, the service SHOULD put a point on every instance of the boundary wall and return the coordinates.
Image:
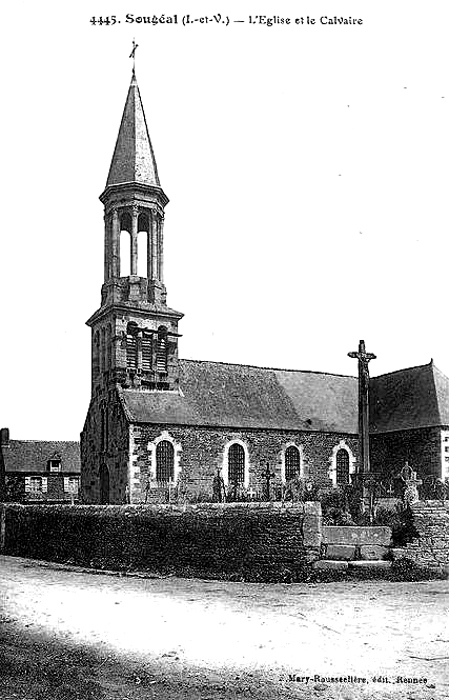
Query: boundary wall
(430, 544)
(237, 541)
(233, 541)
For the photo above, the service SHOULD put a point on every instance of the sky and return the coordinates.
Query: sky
(306, 167)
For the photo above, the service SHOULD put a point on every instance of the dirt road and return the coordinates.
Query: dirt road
(68, 634)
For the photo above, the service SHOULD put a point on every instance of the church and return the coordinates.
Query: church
(160, 428)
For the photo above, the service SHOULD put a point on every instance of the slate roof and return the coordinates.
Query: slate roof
(242, 396)
(133, 159)
(32, 455)
(417, 397)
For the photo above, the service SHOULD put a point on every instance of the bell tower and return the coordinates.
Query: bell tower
(134, 332)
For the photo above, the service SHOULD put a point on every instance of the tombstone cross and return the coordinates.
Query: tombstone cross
(411, 481)
(267, 475)
(363, 358)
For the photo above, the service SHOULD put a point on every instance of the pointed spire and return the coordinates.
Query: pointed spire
(133, 159)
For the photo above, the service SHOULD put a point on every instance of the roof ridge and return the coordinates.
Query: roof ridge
(273, 369)
(404, 369)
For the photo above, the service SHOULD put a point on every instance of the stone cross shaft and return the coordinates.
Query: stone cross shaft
(363, 358)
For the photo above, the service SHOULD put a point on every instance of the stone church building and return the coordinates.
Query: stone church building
(159, 427)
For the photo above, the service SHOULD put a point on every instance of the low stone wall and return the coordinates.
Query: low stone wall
(239, 541)
(430, 546)
(354, 543)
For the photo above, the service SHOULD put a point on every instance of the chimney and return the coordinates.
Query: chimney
(4, 437)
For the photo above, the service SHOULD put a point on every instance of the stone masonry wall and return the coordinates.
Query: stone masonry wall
(202, 453)
(239, 541)
(109, 449)
(430, 548)
(421, 448)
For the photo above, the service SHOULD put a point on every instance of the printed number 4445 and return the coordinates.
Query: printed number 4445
(104, 20)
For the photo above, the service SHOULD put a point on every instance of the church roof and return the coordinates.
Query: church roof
(242, 396)
(33, 455)
(133, 159)
(417, 397)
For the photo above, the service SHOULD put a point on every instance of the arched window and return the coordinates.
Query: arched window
(342, 467)
(236, 464)
(165, 461)
(292, 462)
(161, 354)
(142, 260)
(125, 244)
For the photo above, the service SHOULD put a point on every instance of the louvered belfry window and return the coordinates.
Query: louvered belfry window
(236, 464)
(292, 462)
(96, 356)
(342, 467)
(165, 461)
(146, 353)
(161, 358)
(131, 351)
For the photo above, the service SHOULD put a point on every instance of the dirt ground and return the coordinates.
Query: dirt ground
(67, 634)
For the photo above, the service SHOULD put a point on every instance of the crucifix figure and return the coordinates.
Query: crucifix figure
(267, 475)
(133, 55)
(363, 357)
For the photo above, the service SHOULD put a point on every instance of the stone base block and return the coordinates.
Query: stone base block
(398, 553)
(370, 564)
(373, 551)
(312, 539)
(339, 534)
(340, 551)
(329, 565)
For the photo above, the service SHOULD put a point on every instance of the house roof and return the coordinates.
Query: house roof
(417, 397)
(33, 455)
(243, 396)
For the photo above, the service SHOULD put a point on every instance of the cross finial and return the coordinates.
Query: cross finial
(133, 56)
(362, 355)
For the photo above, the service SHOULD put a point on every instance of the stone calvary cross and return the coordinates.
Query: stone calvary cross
(363, 357)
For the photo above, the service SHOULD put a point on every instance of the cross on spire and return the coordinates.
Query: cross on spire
(133, 55)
